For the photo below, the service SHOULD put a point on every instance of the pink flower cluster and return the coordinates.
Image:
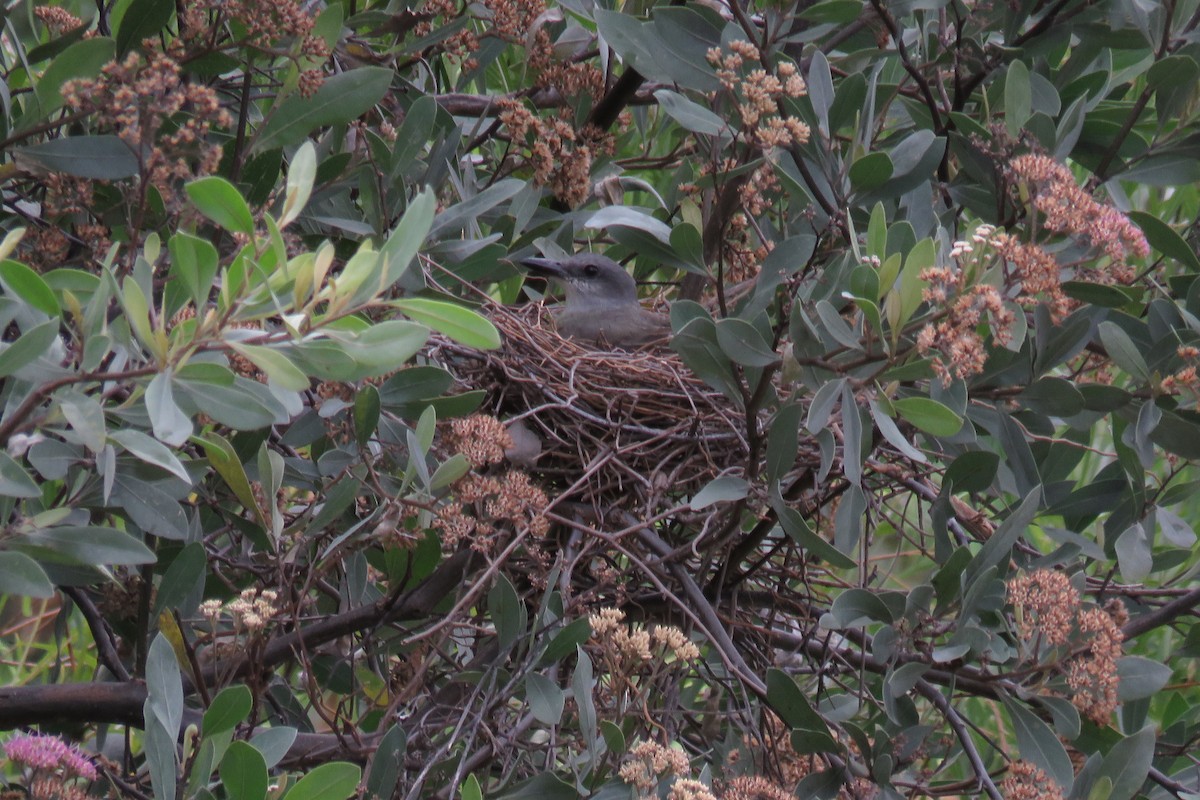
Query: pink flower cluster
(46, 753)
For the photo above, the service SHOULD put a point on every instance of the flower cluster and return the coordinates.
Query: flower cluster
(136, 98)
(1093, 676)
(560, 157)
(956, 338)
(1068, 209)
(58, 20)
(1025, 781)
(647, 762)
(1047, 603)
(487, 505)
(263, 25)
(637, 645)
(250, 611)
(570, 78)
(513, 19)
(481, 438)
(459, 45)
(759, 93)
(1185, 381)
(754, 787)
(56, 766)
(1048, 608)
(690, 789)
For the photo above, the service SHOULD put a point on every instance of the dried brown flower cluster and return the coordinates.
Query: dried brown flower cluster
(487, 506)
(1048, 608)
(633, 648)
(481, 438)
(649, 762)
(759, 93)
(250, 612)
(1028, 274)
(459, 45)
(571, 78)
(956, 338)
(690, 789)
(1186, 381)
(754, 787)
(136, 98)
(1027, 782)
(560, 157)
(1093, 675)
(262, 26)
(513, 19)
(1070, 210)
(1046, 603)
(58, 20)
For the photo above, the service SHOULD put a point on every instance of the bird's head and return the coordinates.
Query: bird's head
(590, 280)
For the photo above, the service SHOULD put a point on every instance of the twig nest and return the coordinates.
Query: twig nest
(609, 419)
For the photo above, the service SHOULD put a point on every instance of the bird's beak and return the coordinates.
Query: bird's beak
(544, 266)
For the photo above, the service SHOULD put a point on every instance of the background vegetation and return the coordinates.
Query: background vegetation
(905, 510)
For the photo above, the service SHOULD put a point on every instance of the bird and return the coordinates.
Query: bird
(601, 301)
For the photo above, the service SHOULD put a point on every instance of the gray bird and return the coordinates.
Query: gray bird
(601, 301)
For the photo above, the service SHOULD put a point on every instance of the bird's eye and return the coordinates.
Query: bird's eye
(591, 270)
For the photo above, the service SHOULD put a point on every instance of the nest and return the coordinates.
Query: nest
(633, 424)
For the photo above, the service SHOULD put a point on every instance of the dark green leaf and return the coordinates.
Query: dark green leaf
(220, 201)
(244, 772)
(103, 157)
(1128, 762)
(28, 347)
(929, 416)
(20, 576)
(1140, 677)
(1039, 744)
(335, 780)
(228, 708)
(973, 471)
(340, 99)
(1163, 238)
(143, 19)
(724, 489)
(546, 700)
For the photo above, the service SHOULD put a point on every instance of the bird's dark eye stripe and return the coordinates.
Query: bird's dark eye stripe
(590, 270)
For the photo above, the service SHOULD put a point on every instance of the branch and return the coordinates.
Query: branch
(964, 736)
(1154, 619)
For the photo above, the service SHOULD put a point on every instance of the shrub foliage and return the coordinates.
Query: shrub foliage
(300, 494)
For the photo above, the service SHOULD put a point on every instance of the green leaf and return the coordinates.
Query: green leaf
(340, 99)
(1140, 677)
(90, 545)
(929, 416)
(230, 707)
(743, 344)
(871, 171)
(1133, 553)
(1040, 745)
(170, 425)
(463, 325)
(224, 460)
(244, 772)
(973, 471)
(1163, 238)
(301, 174)
(81, 60)
(692, 116)
(150, 451)
(28, 347)
(1017, 98)
(470, 789)
(366, 414)
(336, 780)
(402, 246)
(626, 217)
(785, 697)
(546, 700)
(278, 368)
(220, 201)
(26, 284)
(724, 489)
(20, 575)
(103, 157)
(1128, 763)
(1123, 351)
(142, 19)
(855, 607)
(14, 480)
(194, 261)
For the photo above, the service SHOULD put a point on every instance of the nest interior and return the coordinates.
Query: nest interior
(625, 424)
